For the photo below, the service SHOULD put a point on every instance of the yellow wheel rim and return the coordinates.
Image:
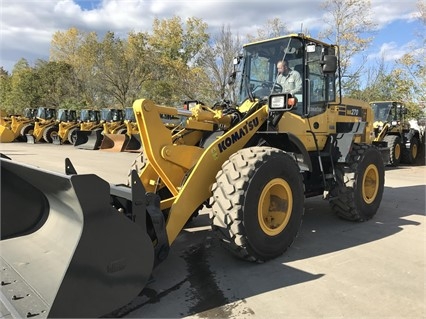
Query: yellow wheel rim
(370, 184)
(275, 206)
(397, 151)
(414, 151)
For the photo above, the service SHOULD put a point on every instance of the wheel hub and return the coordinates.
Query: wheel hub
(397, 151)
(370, 184)
(414, 151)
(275, 206)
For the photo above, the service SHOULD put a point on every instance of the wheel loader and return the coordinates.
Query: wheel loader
(67, 124)
(109, 120)
(16, 127)
(90, 123)
(391, 126)
(122, 137)
(45, 126)
(77, 246)
(87, 120)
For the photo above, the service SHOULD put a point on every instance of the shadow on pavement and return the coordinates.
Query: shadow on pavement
(201, 277)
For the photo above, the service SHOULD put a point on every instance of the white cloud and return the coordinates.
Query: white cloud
(391, 51)
(67, 7)
(27, 25)
(385, 11)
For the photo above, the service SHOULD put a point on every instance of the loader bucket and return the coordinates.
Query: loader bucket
(56, 140)
(30, 139)
(134, 144)
(88, 140)
(6, 135)
(114, 142)
(65, 251)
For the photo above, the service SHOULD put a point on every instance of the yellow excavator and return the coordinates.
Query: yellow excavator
(77, 246)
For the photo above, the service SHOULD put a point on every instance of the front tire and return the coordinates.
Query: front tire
(26, 129)
(72, 135)
(50, 133)
(360, 183)
(258, 203)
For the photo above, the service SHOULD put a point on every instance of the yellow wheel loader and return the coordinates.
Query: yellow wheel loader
(76, 246)
(122, 137)
(110, 119)
(45, 126)
(67, 123)
(16, 127)
(90, 123)
(391, 127)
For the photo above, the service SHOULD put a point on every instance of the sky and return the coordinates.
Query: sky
(27, 26)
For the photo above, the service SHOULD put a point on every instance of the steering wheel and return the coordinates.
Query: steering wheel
(266, 87)
(272, 86)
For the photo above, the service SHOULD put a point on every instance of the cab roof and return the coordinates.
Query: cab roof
(292, 35)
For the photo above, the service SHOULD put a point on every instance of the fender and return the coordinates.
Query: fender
(290, 143)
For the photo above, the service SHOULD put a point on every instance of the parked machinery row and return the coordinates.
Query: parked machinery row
(107, 128)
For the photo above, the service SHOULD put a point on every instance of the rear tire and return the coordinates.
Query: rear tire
(360, 183)
(394, 144)
(258, 203)
(410, 155)
(50, 133)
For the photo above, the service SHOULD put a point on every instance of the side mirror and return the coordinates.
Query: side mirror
(329, 64)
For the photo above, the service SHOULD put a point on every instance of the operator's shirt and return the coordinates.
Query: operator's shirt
(291, 83)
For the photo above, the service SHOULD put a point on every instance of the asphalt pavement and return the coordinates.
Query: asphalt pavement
(334, 269)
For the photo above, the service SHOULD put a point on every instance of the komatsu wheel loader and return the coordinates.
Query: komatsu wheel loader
(77, 246)
(67, 123)
(391, 126)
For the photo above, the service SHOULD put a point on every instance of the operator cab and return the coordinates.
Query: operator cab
(388, 111)
(316, 62)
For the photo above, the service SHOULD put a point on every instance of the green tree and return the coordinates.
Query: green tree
(23, 88)
(412, 65)
(175, 46)
(78, 49)
(56, 84)
(122, 66)
(5, 88)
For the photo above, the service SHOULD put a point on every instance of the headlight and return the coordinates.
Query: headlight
(277, 102)
(281, 102)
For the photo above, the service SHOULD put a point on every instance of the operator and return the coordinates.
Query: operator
(289, 79)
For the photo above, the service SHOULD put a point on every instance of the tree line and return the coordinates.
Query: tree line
(178, 60)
